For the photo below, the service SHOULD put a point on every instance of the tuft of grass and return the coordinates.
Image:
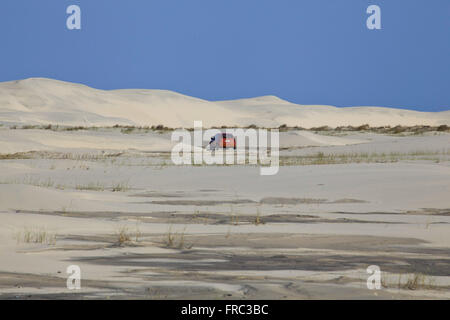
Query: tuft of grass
(123, 236)
(170, 238)
(321, 158)
(33, 181)
(120, 187)
(36, 235)
(176, 240)
(233, 216)
(97, 186)
(414, 281)
(258, 219)
(417, 281)
(92, 186)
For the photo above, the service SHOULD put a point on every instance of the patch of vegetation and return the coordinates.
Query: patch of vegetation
(415, 281)
(120, 187)
(258, 219)
(321, 158)
(97, 186)
(59, 156)
(123, 128)
(125, 236)
(33, 181)
(143, 129)
(92, 186)
(418, 129)
(36, 235)
(176, 240)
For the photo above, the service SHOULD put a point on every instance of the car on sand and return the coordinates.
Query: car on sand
(222, 140)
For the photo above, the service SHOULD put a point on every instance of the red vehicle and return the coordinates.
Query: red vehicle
(222, 140)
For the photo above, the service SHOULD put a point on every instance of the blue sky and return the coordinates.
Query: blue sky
(308, 52)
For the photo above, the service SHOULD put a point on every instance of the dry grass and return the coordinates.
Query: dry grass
(418, 281)
(123, 128)
(33, 181)
(125, 236)
(176, 240)
(363, 127)
(234, 218)
(414, 281)
(384, 129)
(36, 235)
(49, 183)
(321, 158)
(120, 187)
(97, 186)
(258, 219)
(92, 186)
(59, 156)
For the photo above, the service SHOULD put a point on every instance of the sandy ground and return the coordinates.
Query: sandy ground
(141, 228)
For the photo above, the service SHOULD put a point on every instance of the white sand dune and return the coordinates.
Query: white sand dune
(47, 101)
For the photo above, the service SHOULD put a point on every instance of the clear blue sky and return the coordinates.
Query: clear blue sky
(305, 51)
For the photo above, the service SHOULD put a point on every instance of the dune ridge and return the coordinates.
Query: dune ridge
(46, 101)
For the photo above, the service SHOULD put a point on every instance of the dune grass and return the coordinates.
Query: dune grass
(124, 235)
(92, 186)
(321, 158)
(258, 221)
(33, 181)
(35, 235)
(176, 240)
(410, 281)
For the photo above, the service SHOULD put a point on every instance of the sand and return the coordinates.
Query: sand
(218, 232)
(139, 227)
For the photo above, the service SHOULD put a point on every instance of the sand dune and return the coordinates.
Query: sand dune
(46, 101)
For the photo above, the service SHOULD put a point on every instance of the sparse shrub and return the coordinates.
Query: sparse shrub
(123, 236)
(398, 129)
(322, 128)
(363, 127)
